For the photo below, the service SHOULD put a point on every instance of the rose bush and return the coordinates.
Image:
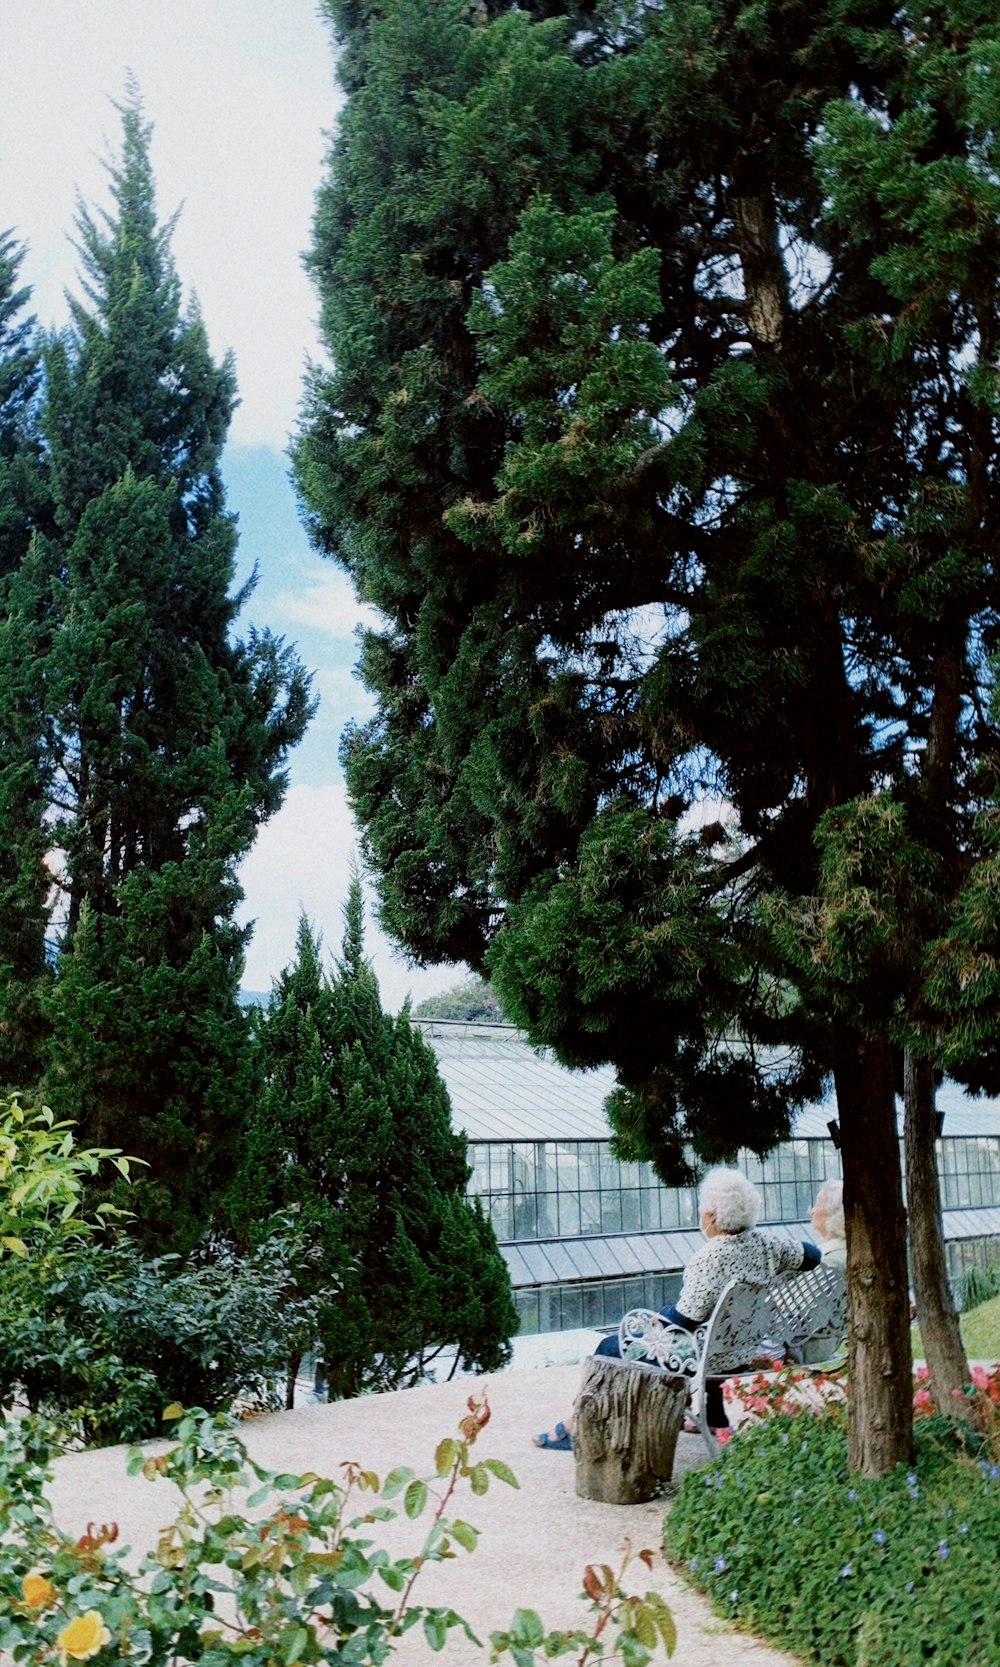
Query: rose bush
(270, 1569)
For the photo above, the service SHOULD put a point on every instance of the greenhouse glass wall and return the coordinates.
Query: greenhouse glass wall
(586, 1237)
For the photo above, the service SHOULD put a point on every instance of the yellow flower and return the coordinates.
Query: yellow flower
(83, 1637)
(37, 1591)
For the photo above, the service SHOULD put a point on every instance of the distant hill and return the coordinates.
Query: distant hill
(254, 998)
(473, 1000)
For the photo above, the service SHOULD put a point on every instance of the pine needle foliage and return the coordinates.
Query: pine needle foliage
(352, 1130)
(155, 739)
(662, 428)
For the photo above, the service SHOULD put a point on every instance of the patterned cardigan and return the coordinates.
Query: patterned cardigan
(752, 1254)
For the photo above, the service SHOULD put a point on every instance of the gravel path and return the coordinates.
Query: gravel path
(535, 1541)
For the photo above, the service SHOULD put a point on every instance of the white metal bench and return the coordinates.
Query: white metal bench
(750, 1324)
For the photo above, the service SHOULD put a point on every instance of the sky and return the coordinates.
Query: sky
(242, 98)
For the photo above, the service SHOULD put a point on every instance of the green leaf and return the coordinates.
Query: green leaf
(293, 1643)
(396, 1481)
(479, 1478)
(465, 1534)
(633, 1653)
(415, 1498)
(435, 1629)
(502, 1472)
(447, 1452)
(526, 1629)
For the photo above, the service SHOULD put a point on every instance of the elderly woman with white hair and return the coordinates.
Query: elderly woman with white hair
(729, 1207)
(827, 1217)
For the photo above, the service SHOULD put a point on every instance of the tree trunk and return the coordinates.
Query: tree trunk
(880, 1367)
(942, 1340)
(625, 1426)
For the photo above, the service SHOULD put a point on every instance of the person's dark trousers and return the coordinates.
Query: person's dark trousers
(714, 1405)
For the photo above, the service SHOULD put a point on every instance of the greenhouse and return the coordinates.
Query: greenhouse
(586, 1237)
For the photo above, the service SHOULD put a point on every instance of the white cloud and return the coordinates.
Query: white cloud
(301, 862)
(326, 602)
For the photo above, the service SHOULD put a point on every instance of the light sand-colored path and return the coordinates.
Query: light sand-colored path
(535, 1542)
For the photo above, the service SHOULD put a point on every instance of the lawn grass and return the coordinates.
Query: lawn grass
(980, 1329)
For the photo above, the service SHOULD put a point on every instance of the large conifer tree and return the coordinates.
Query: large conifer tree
(662, 427)
(163, 738)
(24, 881)
(352, 1129)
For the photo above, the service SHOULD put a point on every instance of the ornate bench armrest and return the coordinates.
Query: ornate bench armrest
(643, 1335)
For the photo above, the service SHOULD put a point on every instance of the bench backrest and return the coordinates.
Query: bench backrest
(750, 1322)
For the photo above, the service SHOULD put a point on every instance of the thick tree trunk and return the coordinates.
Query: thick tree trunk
(625, 1426)
(941, 1338)
(880, 1404)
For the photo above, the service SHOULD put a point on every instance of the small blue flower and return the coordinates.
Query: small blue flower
(879, 1536)
(909, 1585)
(720, 1564)
(845, 1571)
(963, 1527)
(911, 1478)
(942, 1550)
(852, 1494)
(734, 1595)
(693, 1565)
(994, 1472)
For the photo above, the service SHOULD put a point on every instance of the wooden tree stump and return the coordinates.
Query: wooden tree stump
(625, 1427)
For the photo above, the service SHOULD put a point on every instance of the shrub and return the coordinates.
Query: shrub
(290, 1573)
(978, 1285)
(98, 1336)
(847, 1571)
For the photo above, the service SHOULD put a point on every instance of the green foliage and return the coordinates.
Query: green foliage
(473, 1000)
(858, 1573)
(674, 479)
(147, 743)
(635, 937)
(352, 1129)
(99, 1338)
(266, 1566)
(981, 1331)
(19, 376)
(43, 1174)
(24, 881)
(978, 1285)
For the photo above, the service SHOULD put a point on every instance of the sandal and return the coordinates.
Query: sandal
(559, 1440)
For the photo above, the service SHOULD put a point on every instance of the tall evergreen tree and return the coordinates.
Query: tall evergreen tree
(20, 371)
(24, 880)
(352, 1129)
(663, 430)
(164, 738)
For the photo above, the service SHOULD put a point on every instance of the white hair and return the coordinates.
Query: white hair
(731, 1198)
(830, 1199)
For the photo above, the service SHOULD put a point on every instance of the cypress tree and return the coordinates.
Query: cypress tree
(662, 428)
(352, 1129)
(164, 738)
(24, 880)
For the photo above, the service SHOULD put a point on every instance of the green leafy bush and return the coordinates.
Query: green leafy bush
(99, 1337)
(849, 1572)
(43, 1174)
(978, 1285)
(265, 1568)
